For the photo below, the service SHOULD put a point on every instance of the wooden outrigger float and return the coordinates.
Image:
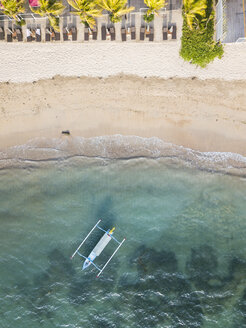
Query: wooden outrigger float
(97, 250)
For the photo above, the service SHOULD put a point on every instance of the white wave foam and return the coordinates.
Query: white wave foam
(117, 147)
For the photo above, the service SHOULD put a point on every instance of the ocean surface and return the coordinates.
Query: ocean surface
(183, 214)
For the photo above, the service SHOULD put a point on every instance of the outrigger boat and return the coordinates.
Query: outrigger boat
(97, 250)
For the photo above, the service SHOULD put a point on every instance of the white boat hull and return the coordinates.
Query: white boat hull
(97, 250)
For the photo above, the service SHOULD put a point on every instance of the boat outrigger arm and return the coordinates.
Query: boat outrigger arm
(103, 242)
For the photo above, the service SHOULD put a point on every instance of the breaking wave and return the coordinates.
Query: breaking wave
(40, 150)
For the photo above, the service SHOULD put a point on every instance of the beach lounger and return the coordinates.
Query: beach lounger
(133, 33)
(9, 35)
(19, 34)
(112, 33)
(165, 30)
(1, 33)
(123, 34)
(57, 36)
(47, 34)
(174, 34)
(94, 33)
(28, 35)
(65, 34)
(74, 33)
(86, 34)
(151, 34)
(38, 34)
(103, 32)
(142, 33)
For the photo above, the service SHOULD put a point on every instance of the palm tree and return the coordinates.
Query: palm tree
(12, 8)
(51, 9)
(192, 10)
(87, 10)
(154, 6)
(116, 8)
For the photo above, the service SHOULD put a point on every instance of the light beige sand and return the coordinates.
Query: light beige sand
(27, 62)
(207, 115)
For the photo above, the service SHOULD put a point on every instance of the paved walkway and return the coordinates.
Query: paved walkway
(235, 20)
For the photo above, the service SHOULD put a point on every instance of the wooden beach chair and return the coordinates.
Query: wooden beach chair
(47, 34)
(123, 34)
(74, 33)
(103, 32)
(94, 33)
(112, 33)
(38, 34)
(19, 34)
(9, 35)
(133, 33)
(57, 36)
(65, 34)
(86, 38)
(165, 30)
(174, 34)
(28, 35)
(142, 33)
(2, 36)
(151, 34)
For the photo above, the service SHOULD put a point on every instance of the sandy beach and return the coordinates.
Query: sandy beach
(205, 115)
(24, 62)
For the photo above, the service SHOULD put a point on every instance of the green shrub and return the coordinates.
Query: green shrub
(198, 45)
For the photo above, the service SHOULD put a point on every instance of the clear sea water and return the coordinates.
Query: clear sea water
(183, 263)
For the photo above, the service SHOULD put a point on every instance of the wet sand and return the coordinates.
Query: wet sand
(205, 115)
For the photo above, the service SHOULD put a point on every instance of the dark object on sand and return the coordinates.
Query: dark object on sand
(67, 132)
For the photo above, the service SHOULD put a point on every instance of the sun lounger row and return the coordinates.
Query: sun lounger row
(11, 34)
(107, 33)
(67, 33)
(33, 34)
(130, 33)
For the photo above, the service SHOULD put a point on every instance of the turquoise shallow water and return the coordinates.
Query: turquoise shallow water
(183, 263)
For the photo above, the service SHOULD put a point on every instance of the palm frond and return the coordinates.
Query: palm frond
(193, 9)
(49, 8)
(13, 8)
(116, 8)
(54, 22)
(87, 10)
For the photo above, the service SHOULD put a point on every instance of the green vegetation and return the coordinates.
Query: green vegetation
(87, 10)
(193, 10)
(52, 9)
(12, 8)
(197, 41)
(116, 8)
(154, 6)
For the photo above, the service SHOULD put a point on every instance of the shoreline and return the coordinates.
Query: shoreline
(45, 152)
(204, 115)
